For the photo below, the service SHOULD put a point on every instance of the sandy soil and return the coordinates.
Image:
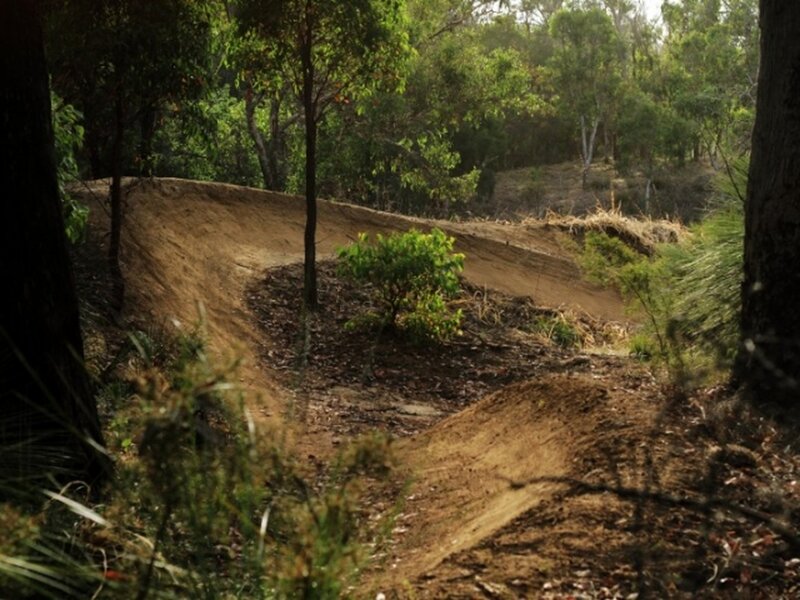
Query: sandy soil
(478, 520)
(188, 242)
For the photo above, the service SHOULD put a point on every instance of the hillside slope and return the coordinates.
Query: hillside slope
(188, 242)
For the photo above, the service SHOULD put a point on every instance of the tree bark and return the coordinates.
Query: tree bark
(269, 151)
(310, 297)
(48, 419)
(114, 244)
(276, 147)
(587, 148)
(257, 137)
(148, 118)
(768, 365)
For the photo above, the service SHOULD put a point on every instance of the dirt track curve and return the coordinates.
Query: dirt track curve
(187, 242)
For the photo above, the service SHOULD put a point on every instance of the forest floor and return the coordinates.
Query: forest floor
(534, 469)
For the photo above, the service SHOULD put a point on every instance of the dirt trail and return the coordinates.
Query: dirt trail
(476, 476)
(465, 466)
(187, 242)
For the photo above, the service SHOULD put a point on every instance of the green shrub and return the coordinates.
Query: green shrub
(694, 287)
(689, 293)
(558, 329)
(412, 275)
(68, 138)
(643, 347)
(202, 503)
(603, 256)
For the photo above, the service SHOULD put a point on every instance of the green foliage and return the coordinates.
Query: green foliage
(711, 65)
(643, 283)
(68, 134)
(411, 275)
(123, 63)
(208, 140)
(433, 175)
(558, 329)
(706, 275)
(585, 65)
(688, 293)
(643, 347)
(604, 256)
(202, 504)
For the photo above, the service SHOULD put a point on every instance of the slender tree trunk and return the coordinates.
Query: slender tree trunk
(117, 280)
(48, 418)
(147, 125)
(93, 148)
(250, 104)
(268, 151)
(310, 297)
(276, 146)
(768, 365)
(587, 145)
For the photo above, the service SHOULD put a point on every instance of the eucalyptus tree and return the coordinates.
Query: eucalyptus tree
(48, 419)
(538, 12)
(121, 62)
(711, 55)
(769, 360)
(585, 67)
(326, 52)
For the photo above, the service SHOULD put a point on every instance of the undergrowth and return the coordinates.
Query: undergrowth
(411, 276)
(688, 293)
(203, 503)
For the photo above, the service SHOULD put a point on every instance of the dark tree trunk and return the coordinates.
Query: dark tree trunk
(276, 148)
(47, 413)
(768, 365)
(117, 280)
(147, 127)
(250, 103)
(268, 151)
(310, 298)
(93, 149)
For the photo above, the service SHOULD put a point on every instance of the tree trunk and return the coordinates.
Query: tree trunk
(276, 147)
(268, 151)
(768, 365)
(93, 148)
(250, 104)
(147, 127)
(117, 280)
(48, 418)
(587, 148)
(310, 298)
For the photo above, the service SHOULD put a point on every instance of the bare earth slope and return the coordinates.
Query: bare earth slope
(188, 242)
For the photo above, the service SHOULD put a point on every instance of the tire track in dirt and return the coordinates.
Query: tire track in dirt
(187, 242)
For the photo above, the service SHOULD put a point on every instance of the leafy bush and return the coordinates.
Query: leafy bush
(705, 277)
(412, 275)
(68, 134)
(603, 257)
(558, 329)
(688, 293)
(202, 503)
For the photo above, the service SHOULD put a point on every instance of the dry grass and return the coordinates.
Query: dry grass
(641, 233)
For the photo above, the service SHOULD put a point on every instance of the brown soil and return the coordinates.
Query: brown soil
(352, 380)
(500, 431)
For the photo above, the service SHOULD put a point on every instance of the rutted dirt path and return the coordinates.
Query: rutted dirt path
(188, 242)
